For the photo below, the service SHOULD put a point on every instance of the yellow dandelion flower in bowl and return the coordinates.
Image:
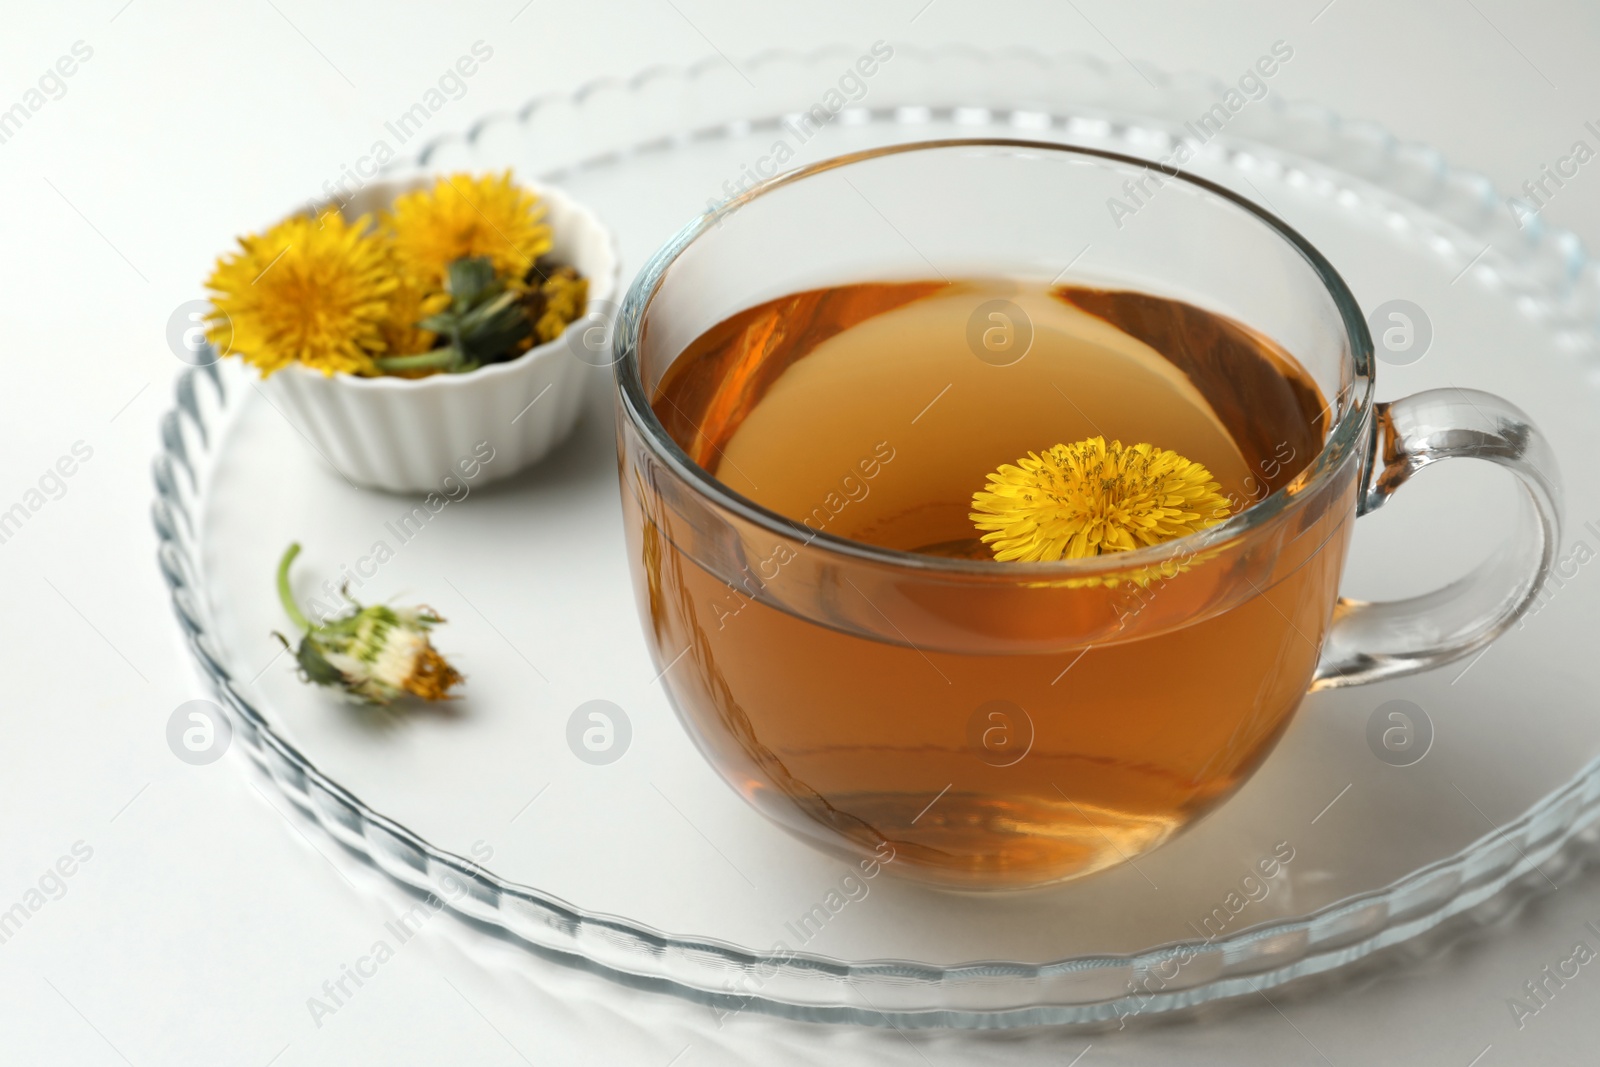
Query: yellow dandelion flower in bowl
(310, 290)
(402, 332)
(556, 302)
(463, 217)
(1091, 498)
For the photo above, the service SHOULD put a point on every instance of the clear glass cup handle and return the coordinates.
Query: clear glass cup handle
(1373, 641)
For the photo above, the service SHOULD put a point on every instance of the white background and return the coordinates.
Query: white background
(204, 919)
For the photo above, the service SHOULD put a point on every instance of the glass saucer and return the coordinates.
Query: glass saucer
(649, 869)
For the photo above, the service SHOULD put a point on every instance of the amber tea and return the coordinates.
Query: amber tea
(873, 412)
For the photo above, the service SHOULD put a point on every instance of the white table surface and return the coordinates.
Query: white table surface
(204, 919)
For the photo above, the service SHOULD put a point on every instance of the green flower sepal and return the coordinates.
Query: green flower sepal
(485, 322)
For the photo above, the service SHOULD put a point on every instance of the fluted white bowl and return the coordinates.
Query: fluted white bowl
(407, 435)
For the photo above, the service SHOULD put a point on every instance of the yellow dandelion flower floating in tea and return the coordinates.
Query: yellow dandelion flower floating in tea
(1091, 498)
(312, 290)
(463, 217)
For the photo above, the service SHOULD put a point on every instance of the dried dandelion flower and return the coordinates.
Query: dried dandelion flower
(374, 654)
(555, 301)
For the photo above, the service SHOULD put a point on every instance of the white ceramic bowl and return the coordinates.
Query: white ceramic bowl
(408, 435)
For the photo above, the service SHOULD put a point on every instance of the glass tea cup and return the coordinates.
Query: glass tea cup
(983, 725)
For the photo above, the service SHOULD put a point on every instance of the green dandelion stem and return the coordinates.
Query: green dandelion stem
(446, 358)
(285, 596)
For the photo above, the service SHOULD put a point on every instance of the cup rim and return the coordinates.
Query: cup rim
(1348, 433)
